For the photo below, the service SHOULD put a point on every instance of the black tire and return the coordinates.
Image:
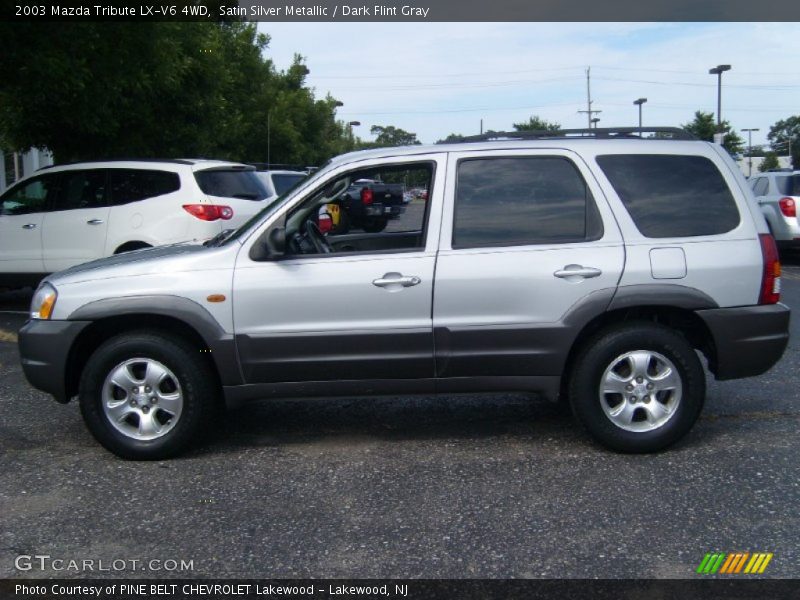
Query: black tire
(374, 224)
(198, 385)
(601, 352)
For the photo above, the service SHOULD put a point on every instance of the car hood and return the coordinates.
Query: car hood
(185, 256)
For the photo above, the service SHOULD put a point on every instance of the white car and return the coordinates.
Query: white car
(66, 215)
(278, 182)
(778, 194)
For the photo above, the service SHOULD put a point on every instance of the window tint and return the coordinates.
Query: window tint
(30, 197)
(130, 185)
(788, 185)
(283, 182)
(760, 186)
(521, 201)
(672, 196)
(81, 189)
(231, 183)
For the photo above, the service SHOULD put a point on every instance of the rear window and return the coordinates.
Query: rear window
(670, 195)
(231, 183)
(283, 182)
(132, 185)
(522, 201)
(788, 185)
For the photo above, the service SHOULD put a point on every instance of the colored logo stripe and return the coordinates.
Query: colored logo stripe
(734, 562)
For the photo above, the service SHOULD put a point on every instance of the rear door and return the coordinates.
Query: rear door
(527, 237)
(74, 230)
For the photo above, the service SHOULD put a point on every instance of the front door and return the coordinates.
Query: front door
(360, 313)
(22, 210)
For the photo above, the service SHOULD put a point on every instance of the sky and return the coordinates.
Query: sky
(434, 79)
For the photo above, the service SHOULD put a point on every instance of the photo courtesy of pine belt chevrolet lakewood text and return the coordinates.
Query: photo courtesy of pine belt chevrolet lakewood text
(599, 267)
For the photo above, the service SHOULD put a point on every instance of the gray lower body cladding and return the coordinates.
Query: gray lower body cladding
(749, 340)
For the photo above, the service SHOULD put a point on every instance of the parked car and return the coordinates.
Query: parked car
(370, 205)
(778, 195)
(278, 182)
(580, 269)
(66, 215)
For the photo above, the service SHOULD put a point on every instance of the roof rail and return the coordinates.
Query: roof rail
(175, 161)
(634, 133)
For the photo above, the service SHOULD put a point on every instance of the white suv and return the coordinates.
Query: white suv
(778, 194)
(586, 269)
(66, 215)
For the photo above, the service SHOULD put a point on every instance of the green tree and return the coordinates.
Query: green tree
(784, 136)
(390, 135)
(704, 126)
(536, 123)
(452, 138)
(770, 162)
(169, 89)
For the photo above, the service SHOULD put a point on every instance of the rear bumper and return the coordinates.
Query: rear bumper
(44, 350)
(749, 340)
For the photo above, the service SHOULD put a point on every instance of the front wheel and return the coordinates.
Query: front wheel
(147, 395)
(637, 388)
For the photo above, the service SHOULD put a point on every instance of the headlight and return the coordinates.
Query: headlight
(43, 302)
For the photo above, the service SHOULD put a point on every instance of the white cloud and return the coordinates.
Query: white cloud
(438, 78)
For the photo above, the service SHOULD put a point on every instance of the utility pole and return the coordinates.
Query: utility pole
(589, 112)
(750, 150)
(481, 126)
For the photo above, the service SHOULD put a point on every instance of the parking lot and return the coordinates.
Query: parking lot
(458, 486)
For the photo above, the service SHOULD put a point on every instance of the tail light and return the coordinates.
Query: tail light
(325, 223)
(209, 212)
(788, 207)
(771, 279)
(366, 196)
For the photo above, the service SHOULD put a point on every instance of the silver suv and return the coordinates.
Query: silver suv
(589, 267)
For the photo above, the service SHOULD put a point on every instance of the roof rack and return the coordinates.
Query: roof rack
(176, 161)
(633, 133)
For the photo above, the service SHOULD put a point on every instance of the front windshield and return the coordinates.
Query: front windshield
(270, 208)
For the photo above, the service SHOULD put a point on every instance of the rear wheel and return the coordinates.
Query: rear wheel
(637, 388)
(147, 395)
(375, 224)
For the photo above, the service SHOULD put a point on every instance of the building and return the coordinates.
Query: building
(17, 165)
(784, 162)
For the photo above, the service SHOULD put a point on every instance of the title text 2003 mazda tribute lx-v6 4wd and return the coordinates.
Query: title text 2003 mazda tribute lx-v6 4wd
(591, 269)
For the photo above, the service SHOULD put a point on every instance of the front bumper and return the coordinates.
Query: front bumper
(749, 340)
(44, 348)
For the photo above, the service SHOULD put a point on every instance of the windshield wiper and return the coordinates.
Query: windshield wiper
(246, 196)
(219, 238)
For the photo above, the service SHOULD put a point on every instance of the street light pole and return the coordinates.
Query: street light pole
(750, 150)
(352, 124)
(718, 71)
(639, 102)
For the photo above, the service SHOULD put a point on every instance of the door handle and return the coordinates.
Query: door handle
(396, 281)
(29, 226)
(576, 272)
(95, 222)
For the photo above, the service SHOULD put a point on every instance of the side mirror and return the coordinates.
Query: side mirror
(276, 242)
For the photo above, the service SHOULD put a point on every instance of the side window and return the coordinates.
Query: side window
(376, 209)
(522, 201)
(81, 189)
(672, 195)
(760, 186)
(31, 196)
(131, 185)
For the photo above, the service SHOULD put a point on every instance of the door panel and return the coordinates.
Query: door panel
(513, 310)
(324, 319)
(21, 243)
(75, 230)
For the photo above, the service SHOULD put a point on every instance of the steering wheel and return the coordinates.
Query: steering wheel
(314, 235)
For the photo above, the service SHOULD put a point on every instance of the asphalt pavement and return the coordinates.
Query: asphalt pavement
(456, 486)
